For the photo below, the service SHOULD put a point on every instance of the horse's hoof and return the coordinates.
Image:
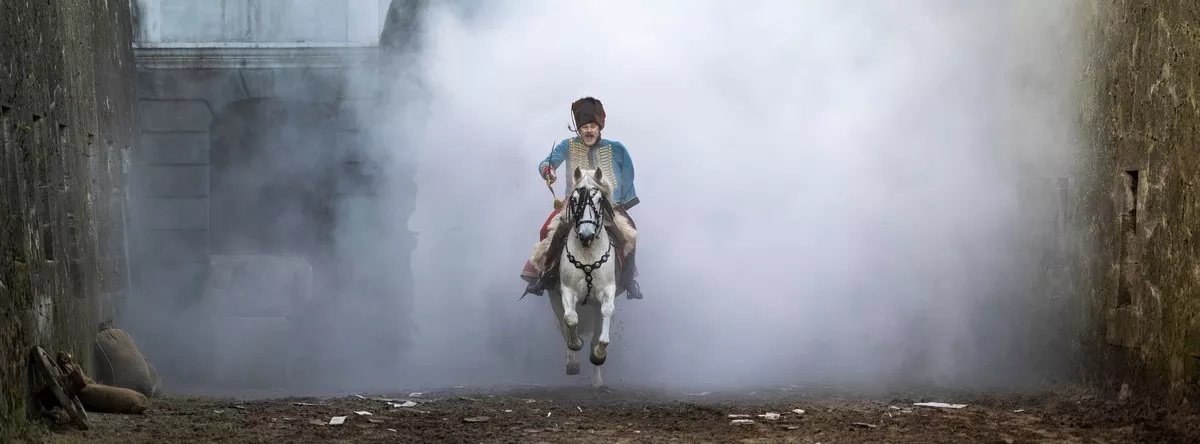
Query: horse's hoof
(575, 344)
(573, 369)
(597, 361)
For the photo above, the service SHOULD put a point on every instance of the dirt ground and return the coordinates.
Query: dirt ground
(576, 414)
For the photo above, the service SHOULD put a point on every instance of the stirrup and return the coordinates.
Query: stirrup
(632, 289)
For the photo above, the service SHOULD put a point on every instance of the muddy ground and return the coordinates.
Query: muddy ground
(575, 414)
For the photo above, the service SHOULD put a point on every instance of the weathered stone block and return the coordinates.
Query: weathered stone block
(173, 246)
(169, 281)
(175, 213)
(316, 85)
(1191, 343)
(174, 115)
(189, 148)
(175, 181)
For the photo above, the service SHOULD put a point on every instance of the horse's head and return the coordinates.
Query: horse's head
(589, 203)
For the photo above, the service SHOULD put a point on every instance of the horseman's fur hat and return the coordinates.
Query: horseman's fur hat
(587, 110)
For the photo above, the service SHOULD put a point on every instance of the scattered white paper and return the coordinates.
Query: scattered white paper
(742, 421)
(415, 394)
(363, 413)
(798, 411)
(940, 405)
(508, 411)
(769, 416)
(405, 404)
(337, 420)
(738, 415)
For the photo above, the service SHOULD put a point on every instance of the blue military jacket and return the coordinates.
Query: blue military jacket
(610, 155)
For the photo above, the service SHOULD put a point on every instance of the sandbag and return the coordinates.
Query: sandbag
(102, 398)
(119, 363)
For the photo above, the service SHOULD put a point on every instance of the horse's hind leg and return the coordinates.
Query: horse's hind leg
(556, 304)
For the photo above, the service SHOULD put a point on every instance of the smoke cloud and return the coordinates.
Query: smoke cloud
(831, 192)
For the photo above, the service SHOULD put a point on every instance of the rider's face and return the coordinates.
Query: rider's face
(590, 133)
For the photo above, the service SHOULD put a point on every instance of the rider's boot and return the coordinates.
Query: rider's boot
(538, 286)
(632, 289)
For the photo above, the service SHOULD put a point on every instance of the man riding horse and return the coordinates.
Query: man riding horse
(587, 150)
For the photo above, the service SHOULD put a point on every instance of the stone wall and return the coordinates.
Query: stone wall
(67, 121)
(257, 156)
(1139, 209)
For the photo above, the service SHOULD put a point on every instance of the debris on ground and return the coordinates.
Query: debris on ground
(388, 399)
(769, 416)
(337, 420)
(742, 421)
(798, 411)
(363, 413)
(940, 405)
(863, 424)
(660, 417)
(476, 419)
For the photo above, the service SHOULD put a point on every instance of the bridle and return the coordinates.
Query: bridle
(580, 201)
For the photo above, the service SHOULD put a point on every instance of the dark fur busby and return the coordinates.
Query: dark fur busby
(588, 110)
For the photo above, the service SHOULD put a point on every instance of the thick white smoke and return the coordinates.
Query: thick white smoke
(830, 190)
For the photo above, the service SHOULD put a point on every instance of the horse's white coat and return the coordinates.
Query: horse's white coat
(596, 316)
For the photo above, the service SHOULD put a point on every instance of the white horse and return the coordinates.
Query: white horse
(587, 269)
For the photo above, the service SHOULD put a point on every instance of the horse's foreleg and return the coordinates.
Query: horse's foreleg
(600, 342)
(571, 319)
(557, 305)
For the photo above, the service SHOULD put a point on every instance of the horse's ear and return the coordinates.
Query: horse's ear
(599, 176)
(578, 174)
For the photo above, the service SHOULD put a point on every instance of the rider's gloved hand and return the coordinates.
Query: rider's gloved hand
(549, 175)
